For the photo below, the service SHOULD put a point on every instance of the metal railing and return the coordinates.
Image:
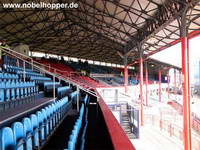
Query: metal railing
(42, 68)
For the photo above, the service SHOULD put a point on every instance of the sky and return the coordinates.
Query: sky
(172, 55)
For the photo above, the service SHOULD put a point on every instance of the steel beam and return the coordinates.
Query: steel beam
(126, 78)
(159, 89)
(147, 84)
(174, 81)
(186, 83)
(141, 85)
(168, 80)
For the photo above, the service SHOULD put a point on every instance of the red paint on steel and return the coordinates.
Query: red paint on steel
(141, 92)
(186, 96)
(191, 35)
(174, 81)
(119, 138)
(168, 83)
(159, 89)
(126, 78)
(147, 84)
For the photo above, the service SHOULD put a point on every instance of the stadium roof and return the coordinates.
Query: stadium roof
(100, 30)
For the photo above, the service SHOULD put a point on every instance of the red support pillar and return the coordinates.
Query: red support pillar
(159, 90)
(126, 78)
(141, 91)
(174, 81)
(186, 94)
(168, 83)
(147, 84)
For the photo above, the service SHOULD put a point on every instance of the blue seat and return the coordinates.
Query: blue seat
(7, 139)
(17, 90)
(51, 125)
(12, 86)
(71, 145)
(28, 130)
(19, 138)
(47, 109)
(2, 88)
(7, 95)
(21, 86)
(53, 115)
(25, 89)
(40, 118)
(46, 125)
(35, 126)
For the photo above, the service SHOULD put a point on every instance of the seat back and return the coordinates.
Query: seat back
(35, 126)
(18, 132)
(28, 133)
(6, 139)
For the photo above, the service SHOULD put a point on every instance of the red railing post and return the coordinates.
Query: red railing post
(147, 84)
(141, 90)
(168, 83)
(186, 94)
(126, 78)
(159, 90)
(174, 81)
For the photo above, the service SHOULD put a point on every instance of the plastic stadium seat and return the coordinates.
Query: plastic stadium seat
(28, 133)
(35, 126)
(2, 87)
(17, 90)
(21, 85)
(46, 125)
(18, 132)
(7, 139)
(50, 118)
(7, 96)
(53, 115)
(47, 109)
(25, 89)
(40, 118)
(12, 86)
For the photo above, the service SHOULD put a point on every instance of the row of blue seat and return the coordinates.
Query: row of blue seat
(73, 96)
(20, 70)
(33, 131)
(12, 90)
(62, 91)
(40, 78)
(10, 80)
(72, 143)
(8, 76)
(82, 145)
(9, 60)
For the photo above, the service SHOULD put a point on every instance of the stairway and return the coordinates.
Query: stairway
(125, 123)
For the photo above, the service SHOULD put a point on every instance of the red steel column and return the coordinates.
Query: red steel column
(174, 81)
(159, 90)
(126, 78)
(147, 84)
(186, 94)
(168, 83)
(141, 91)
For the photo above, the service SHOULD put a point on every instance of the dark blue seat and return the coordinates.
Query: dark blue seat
(7, 139)
(28, 130)
(46, 125)
(7, 95)
(48, 113)
(35, 126)
(40, 118)
(12, 86)
(19, 138)
(2, 88)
